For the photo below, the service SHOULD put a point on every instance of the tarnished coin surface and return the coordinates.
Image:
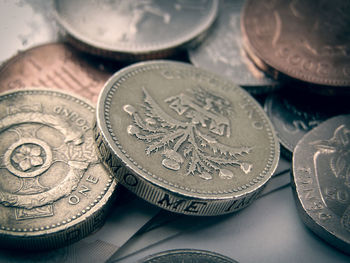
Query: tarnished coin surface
(53, 188)
(187, 255)
(322, 181)
(222, 52)
(304, 39)
(133, 30)
(293, 115)
(185, 139)
(55, 65)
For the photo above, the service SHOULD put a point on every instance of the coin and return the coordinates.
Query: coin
(222, 52)
(307, 40)
(186, 140)
(134, 30)
(187, 255)
(55, 65)
(322, 182)
(54, 189)
(293, 115)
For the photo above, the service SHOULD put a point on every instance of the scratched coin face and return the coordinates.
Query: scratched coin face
(322, 182)
(135, 29)
(187, 255)
(53, 188)
(304, 39)
(186, 140)
(293, 116)
(57, 66)
(222, 52)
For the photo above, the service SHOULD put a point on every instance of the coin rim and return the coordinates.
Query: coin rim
(141, 173)
(309, 217)
(83, 219)
(279, 66)
(123, 51)
(215, 255)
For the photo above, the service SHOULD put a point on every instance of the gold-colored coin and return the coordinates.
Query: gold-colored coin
(53, 188)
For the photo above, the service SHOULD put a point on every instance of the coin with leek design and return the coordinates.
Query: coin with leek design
(187, 255)
(145, 29)
(185, 139)
(322, 181)
(53, 188)
(304, 39)
(56, 65)
(222, 52)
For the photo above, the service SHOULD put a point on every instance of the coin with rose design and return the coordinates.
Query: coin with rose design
(185, 139)
(53, 188)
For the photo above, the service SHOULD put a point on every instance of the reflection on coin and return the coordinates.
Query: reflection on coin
(293, 116)
(304, 39)
(187, 255)
(133, 30)
(222, 52)
(57, 66)
(54, 190)
(25, 24)
(186, 140)
(322, 181)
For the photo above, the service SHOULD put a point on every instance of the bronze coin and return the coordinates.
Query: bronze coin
(55, 65)
(307, 40)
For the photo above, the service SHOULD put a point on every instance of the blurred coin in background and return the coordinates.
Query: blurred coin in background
(134, 30)
(56, 65)
(304, 39)
(187, 255)
(222, 52)
(294, 114)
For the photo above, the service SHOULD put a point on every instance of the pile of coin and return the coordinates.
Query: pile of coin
(191, 139)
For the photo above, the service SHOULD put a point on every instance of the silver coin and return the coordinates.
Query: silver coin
(294, 115)
(185, 139)
(134, 30)
(187, 255)
(222, 52)
(322, 180)
(53, 188)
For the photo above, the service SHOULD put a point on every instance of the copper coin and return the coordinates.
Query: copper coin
(55, 65)
(304, 39)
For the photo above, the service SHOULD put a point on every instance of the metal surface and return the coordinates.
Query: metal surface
(186, 140)
(293, 115)
(133, 30)
(304, 39)
(222, 52)
(187, 255)
(322, 182)
(56, 65)
(54, 190)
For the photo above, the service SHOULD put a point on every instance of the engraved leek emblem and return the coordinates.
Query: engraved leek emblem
(183, 142)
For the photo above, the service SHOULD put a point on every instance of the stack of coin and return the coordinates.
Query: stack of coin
(183, 138)
(306, 45)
